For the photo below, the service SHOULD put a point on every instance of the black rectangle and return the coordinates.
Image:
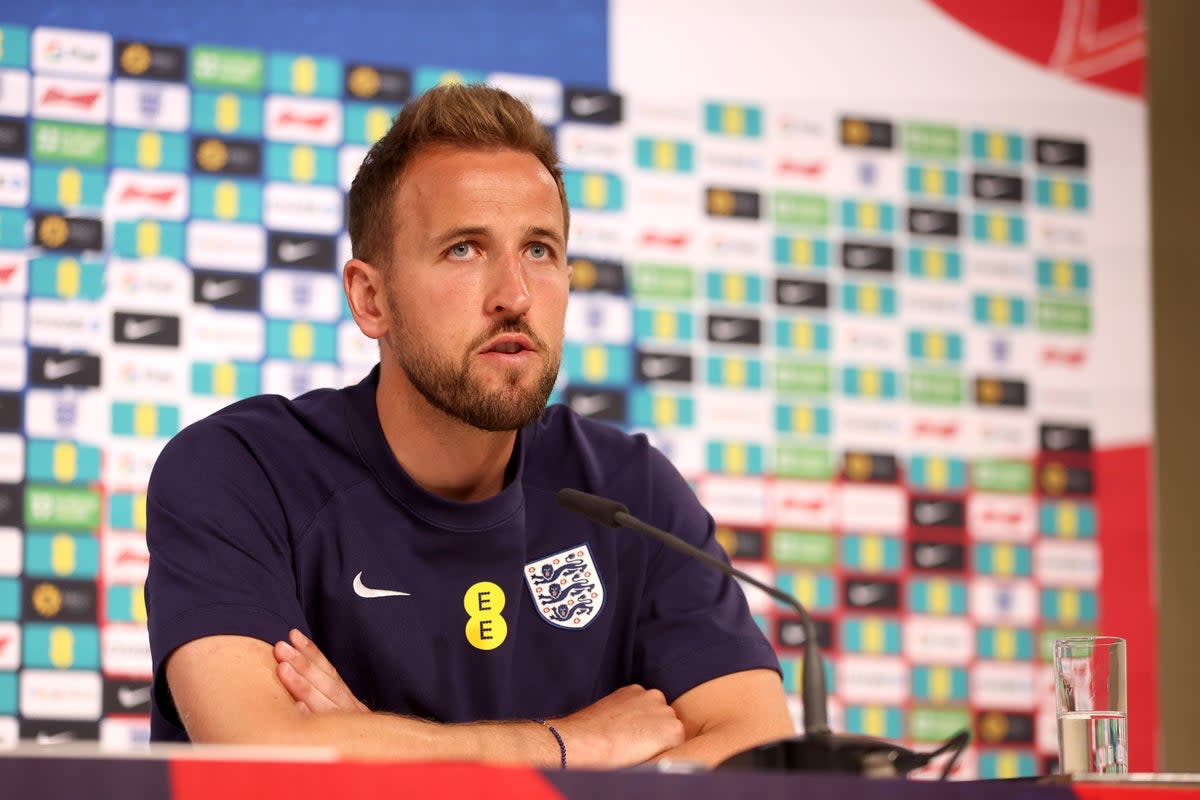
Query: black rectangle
(863, 132)
(592, 105)
(1000, 392)
(56, 232)
(160, 330)
(597, 275)
(994, 187)
(799, 293)
(926, 555)
(727, 329)
(1003, 727)
(1060, 152)
(12, 505)
(936, 512)
(302, 251)
(865, 257)
(55, 368)
(14, 137)
(1056, 479)
(1065, 438)
(605, 404)
(382, 84)
(653, 367)
(226, 156)
(126, 696)
(869, 593)
(741, 543)
(790, 633)
(44, 600)
(52, 732)
(235, 290)
(160, 62)
(932, 222)
(858, 465)
(739, 203)
(12, 411)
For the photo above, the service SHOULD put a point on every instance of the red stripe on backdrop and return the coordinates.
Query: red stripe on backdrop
(252, 780)
(1128, 586)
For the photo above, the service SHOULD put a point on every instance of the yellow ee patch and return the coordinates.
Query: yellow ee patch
(486, 628)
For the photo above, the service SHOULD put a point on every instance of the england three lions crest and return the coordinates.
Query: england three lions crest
(566, 587)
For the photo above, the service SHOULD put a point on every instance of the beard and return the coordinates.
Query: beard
(453, 390)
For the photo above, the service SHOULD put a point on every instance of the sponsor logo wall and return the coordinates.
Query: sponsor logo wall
(849, 331)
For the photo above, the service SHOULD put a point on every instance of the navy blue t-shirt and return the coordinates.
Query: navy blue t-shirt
(273, 514)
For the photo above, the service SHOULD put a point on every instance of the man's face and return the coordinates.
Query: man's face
(477, 285)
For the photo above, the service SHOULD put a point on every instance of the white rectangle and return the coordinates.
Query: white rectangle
(735, 248)
(14, 273)
(734, 501)
(933, 306)
(225, 335)
(880, 509)
(125, 733)
(14, 182)
(66, 51)
(354, 348)
(868, 426)
(291, 379)
(156, 285)
(135, 195)
(759, 601)
(12, 320)
(125, 557)
(145, 373)
(127, 462)
(151, 105)
(995, 602)
(543, 95)
(14, 92)
(350, 158)
(298, 295)
(999, 433)
(662, 115)
(1072, 564)
(1003, 686)
(67, 414)
(599, 147)
(61, 694)
(1001, 518)
(863, 679)
(10, 646)
(70, 99)
(733, 414)
(125, 650)
(12, 457)
(303, 119)
(9, 733)
(11, 541)
(12, 367)
(294, 207)
(1000, 353)
(226, 245)
(599, 318)
(939, 640)
(802, 504)
(599, 235)
(68, 325)
(684, 449)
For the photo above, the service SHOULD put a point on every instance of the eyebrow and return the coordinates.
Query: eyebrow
(479, 230)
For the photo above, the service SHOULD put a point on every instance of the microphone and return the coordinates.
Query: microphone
(818, 749)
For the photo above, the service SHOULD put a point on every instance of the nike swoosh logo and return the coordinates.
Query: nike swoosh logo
(362, 590)
(294, 251)
(129, 697)
(990, 187)
(1057, 440)
(61, 369)
(587, 106)
(864, 595)
(924, 223)
(724, 330)
(859, 258)
(930, 514)
(658, 367)
(1054, 153)
(795, 293)
(135, 329)
(932, 556)
(585, 405)
(61, 737)
(219, 290)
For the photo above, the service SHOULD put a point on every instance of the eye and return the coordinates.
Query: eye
(462, 250)
(539, 251)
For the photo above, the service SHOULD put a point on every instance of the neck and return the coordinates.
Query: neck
(442, 454)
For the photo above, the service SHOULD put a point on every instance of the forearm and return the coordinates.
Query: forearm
(717, 743)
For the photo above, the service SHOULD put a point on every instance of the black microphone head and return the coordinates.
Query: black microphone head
(595, 508)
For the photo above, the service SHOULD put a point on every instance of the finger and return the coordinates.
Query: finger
(302, 689)
(312, 652)
(329, 684)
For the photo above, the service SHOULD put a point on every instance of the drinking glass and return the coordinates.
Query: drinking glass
(1089, 688)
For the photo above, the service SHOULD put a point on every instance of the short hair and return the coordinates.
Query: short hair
(474, 117)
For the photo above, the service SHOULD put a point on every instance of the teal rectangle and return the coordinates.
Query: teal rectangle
(45, 273)
(853, 299)
(61, 555)
(598, 364)
(593, 191)
(915, 181)
(227, 114)
(124, 415)
(820, 419)
(920, 346)
(366, 123)
(682, 327)
(823, 595)
(920, 263)
(1077, 195)
(1009, 310)
(793, 672)
(14, 46)
(170, 154)
(855, 638)
(986, 644)
(280, 344)
(170, 235)
(851, 211)
(923, 685)
(8, 693)
(734, 373)
(40, 462)
(120, 604)
(730, 119)
(281, 164)
(858, 722)
(993, 765)
(987, 562)
(658, 410)
(855, 383)
(207, 198)
(10, 598)
(1006, 148)
(120, 512)
(751, 287)
(719, 458)
(304, 75)
(50, 192)
(801, 251)
(1067, 519)
(1014, 232)
(802, 335)
(247, 379)
(425, 78)
(854, 553)
(937, 473)
(922, 599)
(664, 155)
(60, 646)
(12, 228)
(1086, 609)
(1049, 280)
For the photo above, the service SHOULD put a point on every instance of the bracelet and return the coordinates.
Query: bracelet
(562, 746)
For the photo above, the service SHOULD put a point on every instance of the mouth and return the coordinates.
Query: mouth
(509, 345)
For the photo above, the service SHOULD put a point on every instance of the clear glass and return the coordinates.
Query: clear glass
(1090, 698)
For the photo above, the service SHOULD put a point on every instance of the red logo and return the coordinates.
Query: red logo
(316, 121)
(675, 241)
(1003, 517)
(816, 504)
(7, 271)
(134, 194)
(1064, 356)
(4, 640)
(938, 430)
(807, 169)
(82, 100)
(132, 557)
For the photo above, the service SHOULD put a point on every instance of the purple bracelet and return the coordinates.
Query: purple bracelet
(562, 746)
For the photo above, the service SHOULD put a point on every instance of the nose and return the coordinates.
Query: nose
(508, 294)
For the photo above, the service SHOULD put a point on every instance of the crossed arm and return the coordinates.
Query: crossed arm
(235, 689)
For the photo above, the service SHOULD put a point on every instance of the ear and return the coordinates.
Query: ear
(363, 284)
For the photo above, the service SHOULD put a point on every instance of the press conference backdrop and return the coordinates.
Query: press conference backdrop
(895, 337)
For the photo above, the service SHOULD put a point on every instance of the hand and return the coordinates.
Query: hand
(310, 679)
(629, 726)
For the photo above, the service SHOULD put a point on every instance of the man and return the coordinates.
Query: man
(408, 526)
